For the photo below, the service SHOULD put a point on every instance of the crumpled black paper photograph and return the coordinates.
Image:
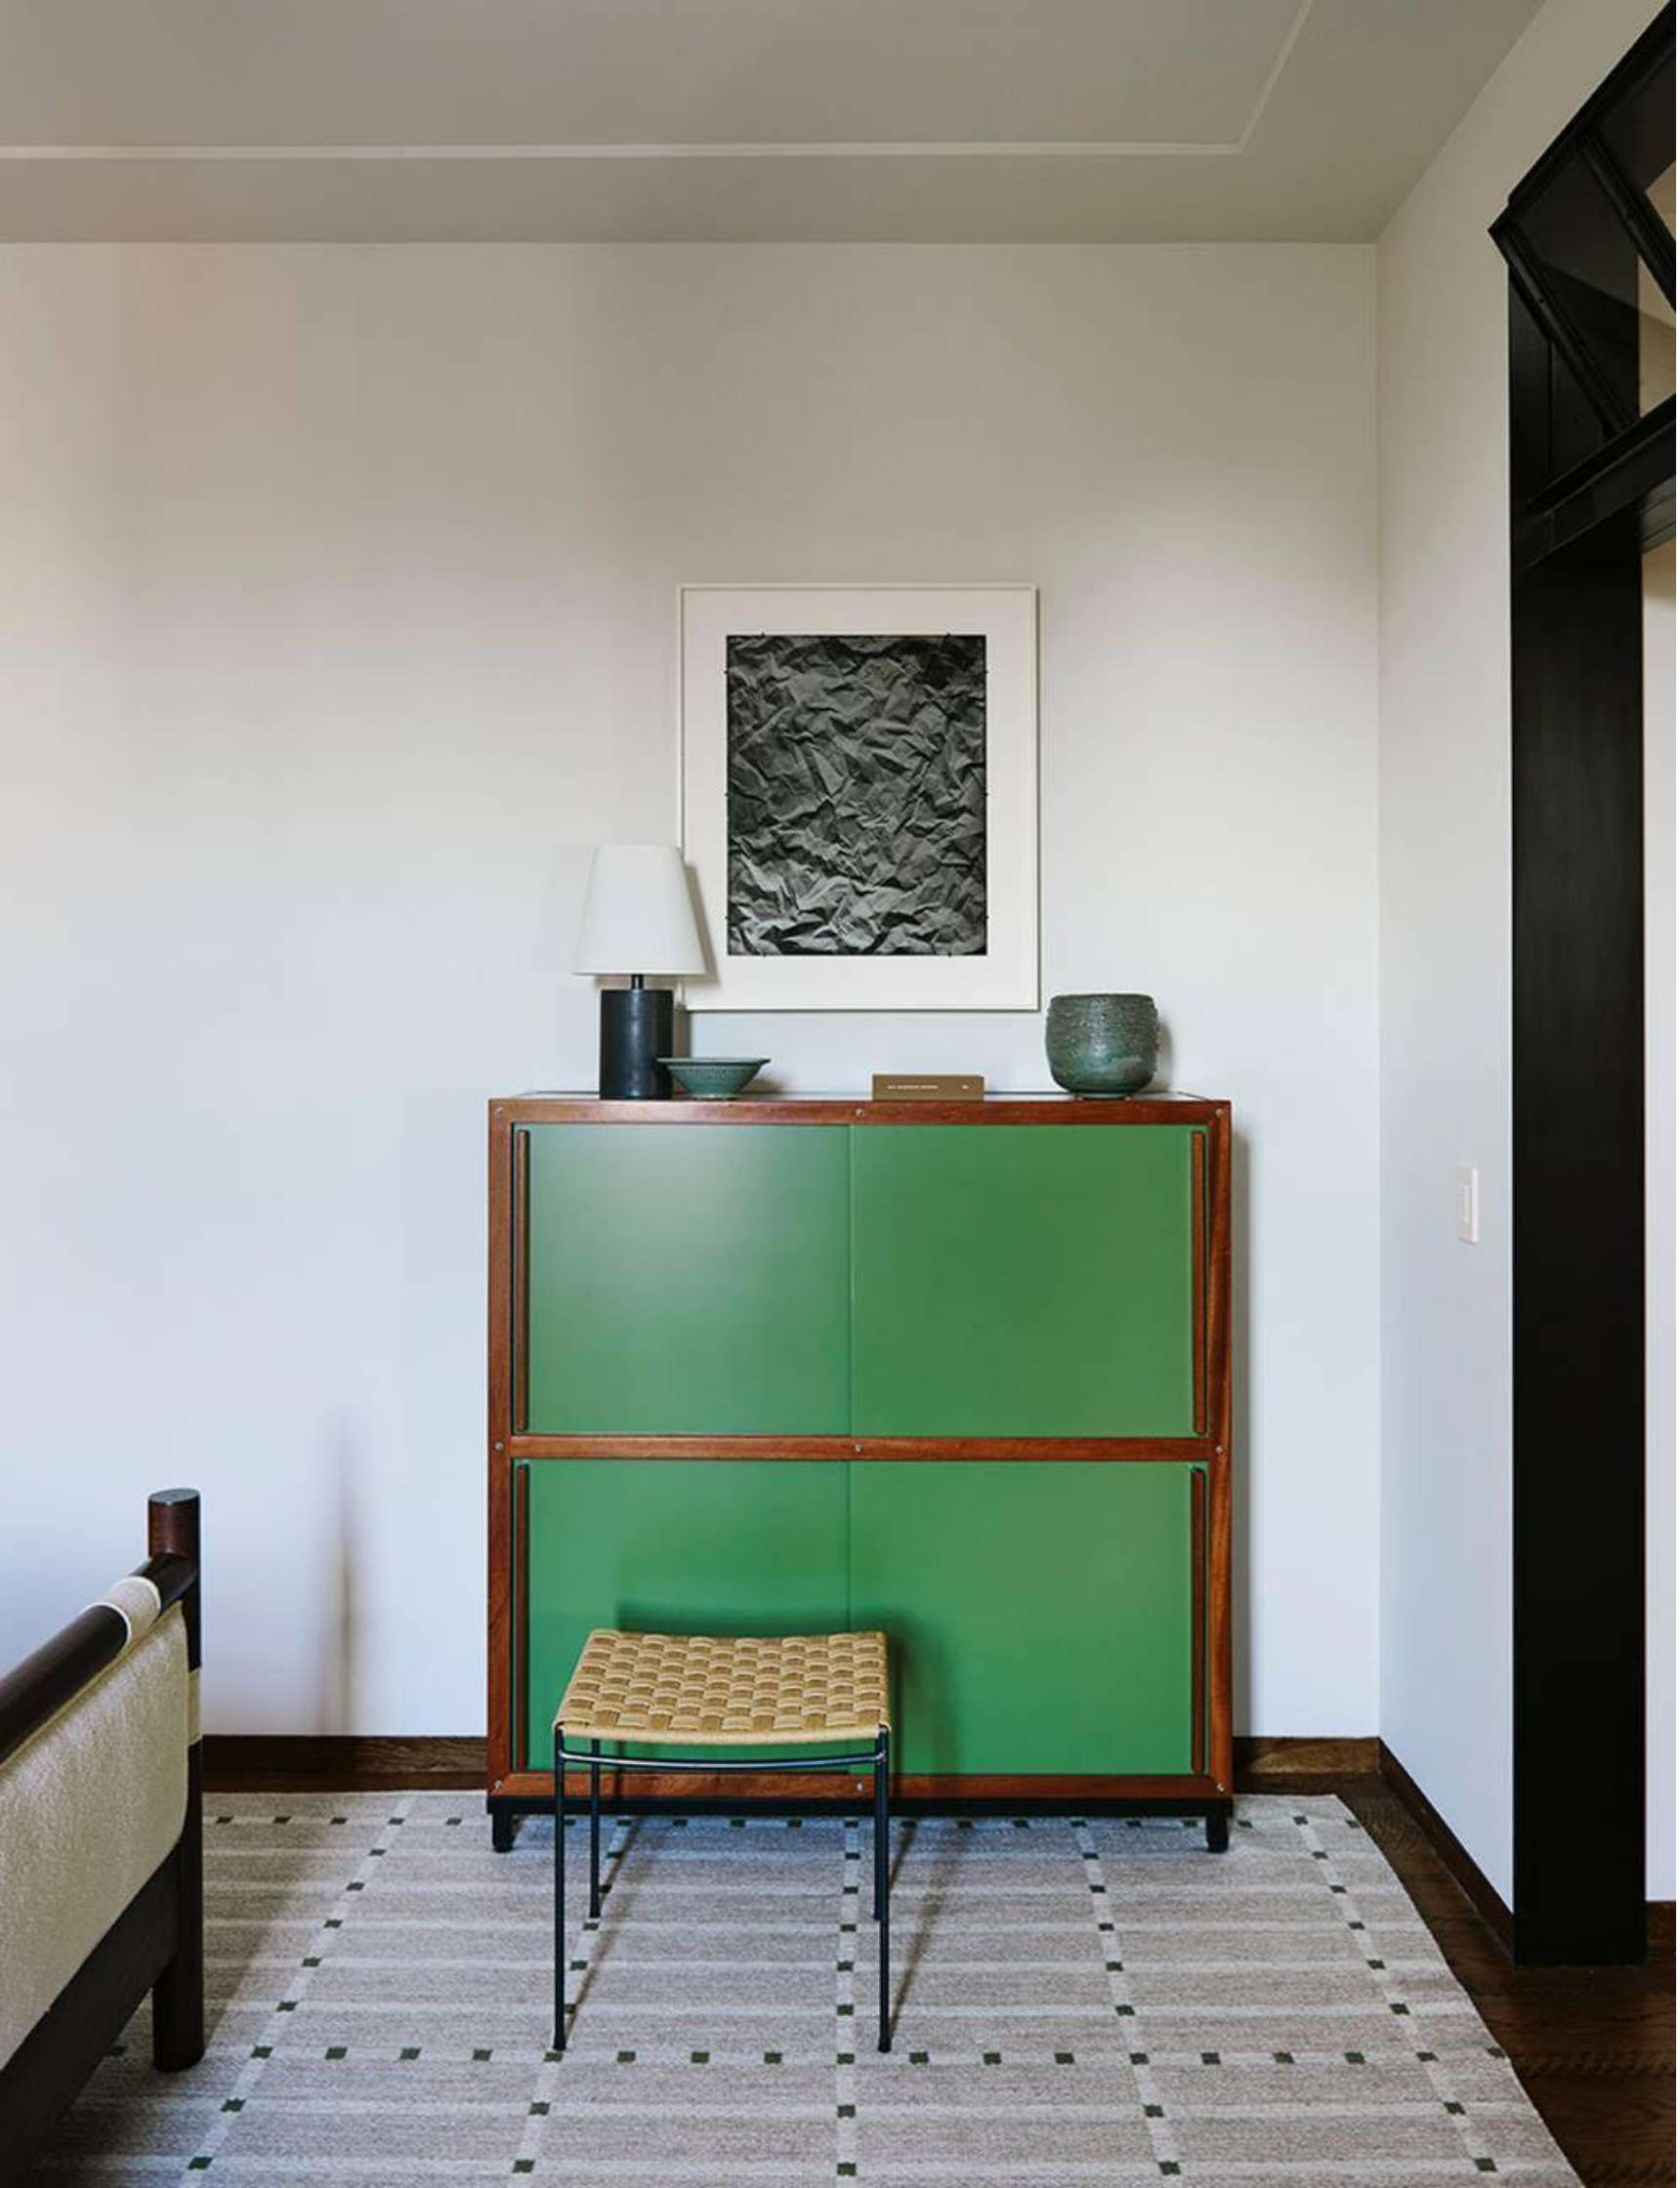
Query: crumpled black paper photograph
(857, 795)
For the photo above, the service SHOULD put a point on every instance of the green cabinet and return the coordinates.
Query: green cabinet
(1039, 1615)
(806, 1366)
(1031, 1282)
(675, 1546)
(687, 1280)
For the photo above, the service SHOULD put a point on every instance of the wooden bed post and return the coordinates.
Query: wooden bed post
(177, 1994)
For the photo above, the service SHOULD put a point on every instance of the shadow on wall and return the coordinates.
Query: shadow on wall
(338, 1676)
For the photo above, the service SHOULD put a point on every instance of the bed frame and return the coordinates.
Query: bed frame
(156, 1943)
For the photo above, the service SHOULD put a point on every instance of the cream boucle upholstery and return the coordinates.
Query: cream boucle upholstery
(136, 1601)
(88, 1808)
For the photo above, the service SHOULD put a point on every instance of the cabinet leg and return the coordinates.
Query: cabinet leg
(1219, 1831)
(503, 1825)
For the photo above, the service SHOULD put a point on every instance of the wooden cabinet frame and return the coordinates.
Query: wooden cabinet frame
(511, 1786)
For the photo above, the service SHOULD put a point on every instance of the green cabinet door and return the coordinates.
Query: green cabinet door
(674, 1546)
(1038, 1612)
(687, 1278)
(1025, 1281)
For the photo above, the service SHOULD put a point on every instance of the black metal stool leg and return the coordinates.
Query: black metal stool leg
(559, 1894)
(595, 1830)
(883, 1879)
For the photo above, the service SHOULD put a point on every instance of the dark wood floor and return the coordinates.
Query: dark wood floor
(1594, 2048)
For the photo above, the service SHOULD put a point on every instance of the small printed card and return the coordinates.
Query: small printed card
(928, 1086)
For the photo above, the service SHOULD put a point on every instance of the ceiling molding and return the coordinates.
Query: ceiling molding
(963, 148)
(1279, 121)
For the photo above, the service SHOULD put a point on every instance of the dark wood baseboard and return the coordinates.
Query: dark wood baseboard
(238, 1762)
(1446, 1845)
(340, 1762)
(1465, 1872)
(276, 1762)
(1267, 1763)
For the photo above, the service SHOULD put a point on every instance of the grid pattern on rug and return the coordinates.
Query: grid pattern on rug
(1077, 2002)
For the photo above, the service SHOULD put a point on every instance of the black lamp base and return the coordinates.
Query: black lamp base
(635, 1026)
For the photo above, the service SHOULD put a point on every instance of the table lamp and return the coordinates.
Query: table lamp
(637, 919)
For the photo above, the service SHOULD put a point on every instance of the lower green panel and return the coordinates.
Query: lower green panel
(1038, 1614)
(674, 1546)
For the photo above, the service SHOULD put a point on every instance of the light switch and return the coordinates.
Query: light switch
(1469, 1203)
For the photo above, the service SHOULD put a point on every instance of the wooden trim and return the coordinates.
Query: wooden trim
(991, 1109)
(500, 1638)
(176, 1543)
(56, 1672)
(1199, 1282)
(1646, 55)
(1051, 1788)
(173, 1517)
(1198, 1620)
(934, 1450)
(336, 1762)
(519, 1612)
(1530, 280)
(1219, 1457)
(519, 1325)
(342, 1762)
(1577, 1140)
(177, 1992)
(1301, 1765)
(1632, 474)
(1577, 1219)
(1447, 1843)
(49, 2067)
(1637, 214)
(174, 1537)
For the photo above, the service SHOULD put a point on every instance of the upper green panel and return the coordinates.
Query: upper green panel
(687, 1278)
(1031, 1281)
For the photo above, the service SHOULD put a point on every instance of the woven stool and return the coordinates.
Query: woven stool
(703, 1690)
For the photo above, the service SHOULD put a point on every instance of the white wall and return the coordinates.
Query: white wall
(1444, 654)
(336, 614)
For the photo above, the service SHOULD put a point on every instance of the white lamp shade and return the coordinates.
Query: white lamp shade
(637, 914)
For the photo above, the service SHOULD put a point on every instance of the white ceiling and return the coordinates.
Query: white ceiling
(1034, 120)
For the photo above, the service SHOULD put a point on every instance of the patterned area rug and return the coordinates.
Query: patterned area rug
(1077, 2002)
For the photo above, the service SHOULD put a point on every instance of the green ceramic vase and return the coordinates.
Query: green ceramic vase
(1102, 1044)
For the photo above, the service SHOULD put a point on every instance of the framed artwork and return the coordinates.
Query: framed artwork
(860, 783)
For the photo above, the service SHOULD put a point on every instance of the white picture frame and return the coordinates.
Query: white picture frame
(1004, 975)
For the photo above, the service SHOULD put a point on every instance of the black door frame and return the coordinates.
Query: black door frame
(1580, 525)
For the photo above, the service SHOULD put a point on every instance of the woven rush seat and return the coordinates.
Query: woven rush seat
(717, 1690)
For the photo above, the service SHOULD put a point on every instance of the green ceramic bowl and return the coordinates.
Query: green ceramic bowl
(713, 1078)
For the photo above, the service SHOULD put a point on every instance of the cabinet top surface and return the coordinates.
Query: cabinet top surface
(1154, 1108)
